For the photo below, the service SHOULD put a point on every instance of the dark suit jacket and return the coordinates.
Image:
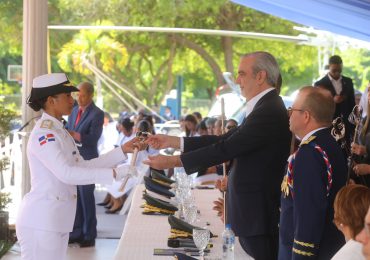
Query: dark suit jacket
(344, 108)
(90, 127)
(260, 148)
(307, 216)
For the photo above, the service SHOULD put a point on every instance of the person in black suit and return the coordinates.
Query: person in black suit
(85, 124)
(315, 173)
(341, 88)
(259, 148)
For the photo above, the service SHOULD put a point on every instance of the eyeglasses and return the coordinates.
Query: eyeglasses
(290, 110)
(230, 127)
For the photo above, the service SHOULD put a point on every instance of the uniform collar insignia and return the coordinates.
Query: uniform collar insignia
(48, 124)
(310, 139)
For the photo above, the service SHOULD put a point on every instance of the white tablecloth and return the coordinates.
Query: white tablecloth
(143, 233)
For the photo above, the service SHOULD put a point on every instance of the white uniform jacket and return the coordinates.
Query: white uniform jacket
(56, 168)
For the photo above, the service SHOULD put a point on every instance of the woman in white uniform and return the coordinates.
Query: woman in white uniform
(47, 212)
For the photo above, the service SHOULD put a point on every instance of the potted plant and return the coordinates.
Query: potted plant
(4, 215)
(6, 115)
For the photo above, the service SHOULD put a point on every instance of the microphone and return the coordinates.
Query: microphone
(175, 243)
(27, 123)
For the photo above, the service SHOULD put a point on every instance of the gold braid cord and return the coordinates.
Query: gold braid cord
(300, 252)
(304, 244)
(162, 182)
(175, 233)
(150, 208)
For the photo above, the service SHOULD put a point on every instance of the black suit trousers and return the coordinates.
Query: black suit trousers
(264, 247)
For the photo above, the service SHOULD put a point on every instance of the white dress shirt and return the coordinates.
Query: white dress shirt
(248, 109)
(337, 83)
(252, 103)
(351, 250)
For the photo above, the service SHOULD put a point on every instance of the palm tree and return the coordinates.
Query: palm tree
(98, 48)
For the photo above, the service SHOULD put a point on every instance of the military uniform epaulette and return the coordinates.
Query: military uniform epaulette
(47, 124)
(308, 140)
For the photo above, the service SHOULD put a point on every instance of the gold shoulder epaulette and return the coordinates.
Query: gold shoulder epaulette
(310, 139)
(46, 124)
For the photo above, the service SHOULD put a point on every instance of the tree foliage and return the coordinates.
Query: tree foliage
(147, 63)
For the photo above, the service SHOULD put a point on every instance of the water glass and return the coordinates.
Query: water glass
(190, 214)
(201, 238)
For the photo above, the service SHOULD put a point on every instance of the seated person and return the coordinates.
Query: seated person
(350, 207)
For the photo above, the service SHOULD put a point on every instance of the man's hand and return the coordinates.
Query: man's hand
(358, 149)
(219, 207)
(161, 162)
(76, 136)
(338, 99)
(163, 141)
(362, 169)
(136, 142)
(221, 184)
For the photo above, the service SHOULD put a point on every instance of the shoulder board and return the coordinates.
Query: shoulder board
(310, 139)
(48, 124)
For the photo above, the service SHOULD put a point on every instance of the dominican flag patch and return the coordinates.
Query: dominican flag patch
(46, 138)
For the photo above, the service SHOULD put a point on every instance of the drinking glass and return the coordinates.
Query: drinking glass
(190, 214)
(201, 238)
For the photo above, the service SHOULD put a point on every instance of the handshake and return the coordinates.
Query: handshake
(159, 162)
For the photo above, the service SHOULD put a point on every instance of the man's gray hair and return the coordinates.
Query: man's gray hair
(89, 87)
(265, 61)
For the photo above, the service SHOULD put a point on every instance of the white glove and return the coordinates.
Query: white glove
(125, 171)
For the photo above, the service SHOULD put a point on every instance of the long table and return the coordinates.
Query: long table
(143, 233)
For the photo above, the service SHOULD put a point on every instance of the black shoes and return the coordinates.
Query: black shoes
(108, 206)
(82, 242)
(74, 240)
(87, 243)
(102, 203)
(109, 211)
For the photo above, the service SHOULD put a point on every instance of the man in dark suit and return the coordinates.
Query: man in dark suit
(341, 88)
(315, 173)
(259, 148)
(85, 124)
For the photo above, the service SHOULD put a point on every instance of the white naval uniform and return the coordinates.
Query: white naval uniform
(56, 166)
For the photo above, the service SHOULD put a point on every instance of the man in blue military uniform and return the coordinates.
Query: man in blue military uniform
(316, 171)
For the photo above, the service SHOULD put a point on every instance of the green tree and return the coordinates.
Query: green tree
(95, 47)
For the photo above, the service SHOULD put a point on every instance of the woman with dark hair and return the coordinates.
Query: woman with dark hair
(126, 129)
(47, 212)
(231, 124)
(190, 124)
(115, 204)
(362, 150)
(202, 127)
(350, 207)
(126, 133)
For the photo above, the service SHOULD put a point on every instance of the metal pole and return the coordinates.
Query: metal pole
(179, 87)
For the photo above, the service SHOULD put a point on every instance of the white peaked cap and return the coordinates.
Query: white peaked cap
(49, 80)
